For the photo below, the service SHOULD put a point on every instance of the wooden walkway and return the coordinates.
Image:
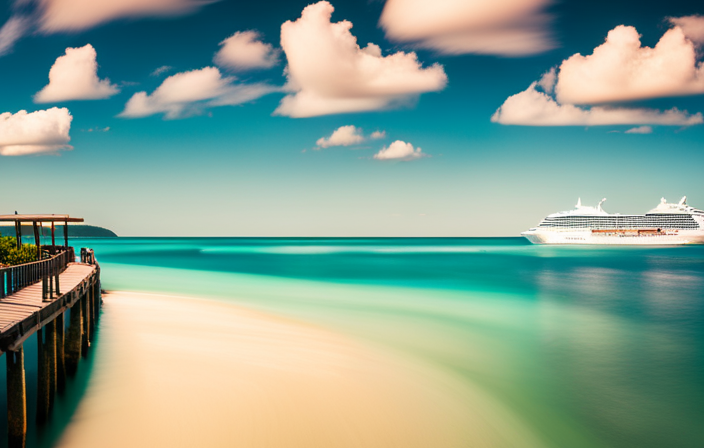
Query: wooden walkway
(24, 312)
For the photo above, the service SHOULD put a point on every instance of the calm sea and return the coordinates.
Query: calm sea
(584, 346)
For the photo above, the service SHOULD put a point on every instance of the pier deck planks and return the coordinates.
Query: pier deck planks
(24, 312)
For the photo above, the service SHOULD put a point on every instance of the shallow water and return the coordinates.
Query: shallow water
(567, 346)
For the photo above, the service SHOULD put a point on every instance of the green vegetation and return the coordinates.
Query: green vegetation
(10, 255)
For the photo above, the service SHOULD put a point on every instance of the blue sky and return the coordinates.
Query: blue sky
(242, 170)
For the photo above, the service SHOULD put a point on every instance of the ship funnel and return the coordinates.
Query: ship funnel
(579, 203)
(600, 202)
(683, 201)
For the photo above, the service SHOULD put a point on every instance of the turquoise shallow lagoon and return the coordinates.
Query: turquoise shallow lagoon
(569, 346)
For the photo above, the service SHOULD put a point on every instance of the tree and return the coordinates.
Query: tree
(10, 255)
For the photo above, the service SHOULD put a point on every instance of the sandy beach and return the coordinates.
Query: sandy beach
(182, 372)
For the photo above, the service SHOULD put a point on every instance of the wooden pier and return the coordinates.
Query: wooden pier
(34, 298)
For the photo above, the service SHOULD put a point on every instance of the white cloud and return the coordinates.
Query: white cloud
(161, 70)
(534, 108)
(401, 151)
(640, 130)
(342, 136)
(43, 131)
(503, 27)
(74, 76)
(328, 73)
(692, 26)
(244, 51)
(348, 136)
(622, 70)
(189, 92)
(11, 31)
(72, 15)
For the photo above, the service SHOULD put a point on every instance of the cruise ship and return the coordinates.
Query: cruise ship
(665, 224)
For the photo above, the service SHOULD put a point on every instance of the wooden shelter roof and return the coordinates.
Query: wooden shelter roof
(39, 218)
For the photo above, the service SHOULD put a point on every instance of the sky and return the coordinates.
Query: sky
(347, 117)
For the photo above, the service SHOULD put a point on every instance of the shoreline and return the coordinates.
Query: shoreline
(179, 371)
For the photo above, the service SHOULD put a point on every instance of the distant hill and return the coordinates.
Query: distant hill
(74, 231)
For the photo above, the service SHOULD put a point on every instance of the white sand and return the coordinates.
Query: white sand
(177, 372)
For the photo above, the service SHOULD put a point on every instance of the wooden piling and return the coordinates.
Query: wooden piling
(91, 307)
(16, 399)
(74, 340)
(50, 350)
(46, 387)
(60, 354)
(95, 301)
(85, 308)
(98, 297)
(42, 379)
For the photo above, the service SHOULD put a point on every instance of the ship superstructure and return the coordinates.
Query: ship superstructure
(667, 223)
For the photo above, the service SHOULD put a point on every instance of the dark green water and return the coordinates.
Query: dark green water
(571, 346)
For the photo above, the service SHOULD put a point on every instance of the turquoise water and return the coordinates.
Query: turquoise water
(578, 346)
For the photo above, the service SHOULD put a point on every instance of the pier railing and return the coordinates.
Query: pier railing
(14, 278)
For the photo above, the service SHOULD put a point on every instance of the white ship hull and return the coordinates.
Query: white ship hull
(667, 224)
(587, 237)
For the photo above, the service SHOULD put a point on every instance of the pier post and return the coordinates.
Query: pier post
(91, 304)
(16, 399)
(42, 379)
(85, 308)
(60, 354)
(74, 339)
(50, 349)
(97, 296)
(46, 386)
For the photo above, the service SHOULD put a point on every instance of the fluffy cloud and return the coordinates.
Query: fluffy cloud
(640, 130)
(74, 76)
(342, 136)
(71, 15)
(328, 73)
(692, 26)
(618, 70)
(399, 150)
(188, 93)
(348, 136)
(11, 31)
(503, 27)
(534, 108)
(244, 51)
(43, 131)
(622, 70)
